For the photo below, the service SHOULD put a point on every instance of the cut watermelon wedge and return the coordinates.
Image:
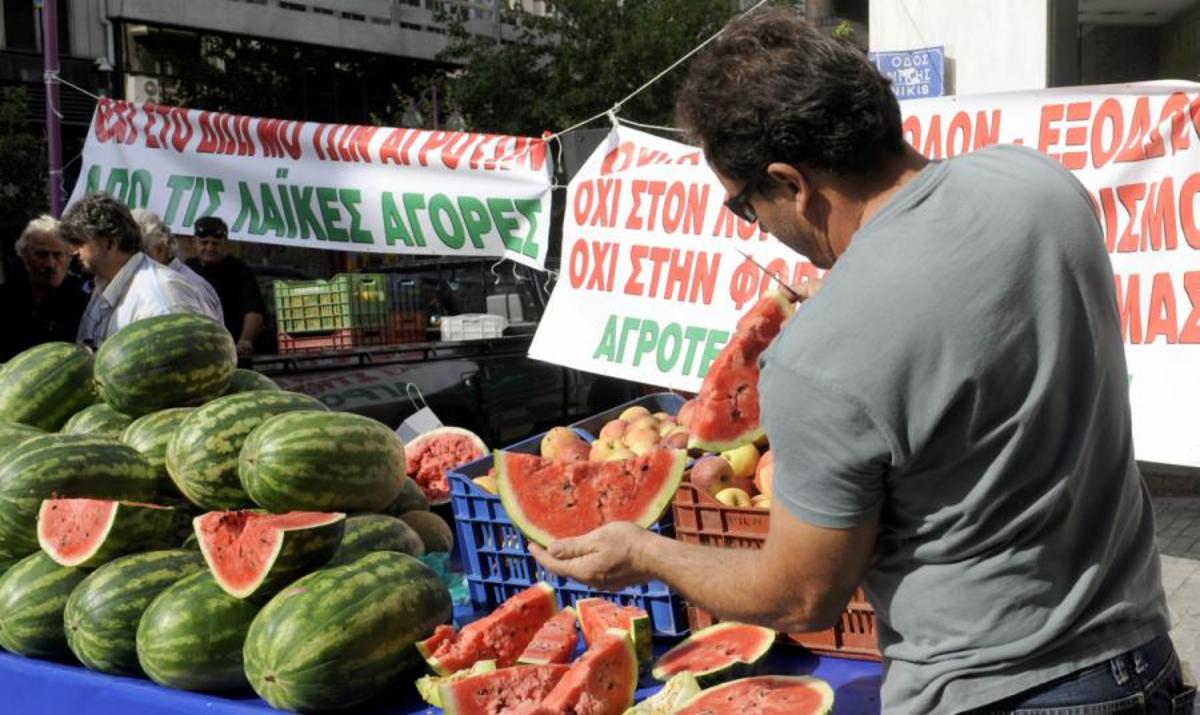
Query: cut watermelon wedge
(507, 691)
(429, 686)
(554, 642)
(501, 636)
(601, 682)
(550, 500)
(718, 653)
(91, 532)
(431, 456)
(252, 552)
(764, 695)
(677, 691)
(597, 615)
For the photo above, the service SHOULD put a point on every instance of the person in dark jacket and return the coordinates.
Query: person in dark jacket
(233, 280)
(45, 302)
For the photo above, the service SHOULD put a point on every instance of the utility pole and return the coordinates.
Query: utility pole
(53, 118)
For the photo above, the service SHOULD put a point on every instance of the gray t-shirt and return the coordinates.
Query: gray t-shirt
(961, 373)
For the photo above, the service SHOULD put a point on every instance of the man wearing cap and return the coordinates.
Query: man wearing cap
(241, 300)
(45, 303)
(160, 244)
(128, 286)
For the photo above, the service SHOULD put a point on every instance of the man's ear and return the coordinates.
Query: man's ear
(796, 181)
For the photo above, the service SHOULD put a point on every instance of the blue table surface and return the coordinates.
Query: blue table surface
(38, 687)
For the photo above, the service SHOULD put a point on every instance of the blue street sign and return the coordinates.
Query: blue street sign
(914, 73)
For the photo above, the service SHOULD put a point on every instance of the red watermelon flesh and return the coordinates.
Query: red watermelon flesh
(244, 548)
(601, 682)
(500, 636)
(550, 500)
(597, 615)
(717, 653)
(763, 695)
(727, 414)
(508, 691)
(555, 641)
(432, 455)
(90, 532)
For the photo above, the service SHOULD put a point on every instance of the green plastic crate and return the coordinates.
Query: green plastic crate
(348, 300)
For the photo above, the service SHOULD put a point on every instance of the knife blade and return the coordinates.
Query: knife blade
(775, 277)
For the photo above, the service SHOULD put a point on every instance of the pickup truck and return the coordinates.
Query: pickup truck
(489, 386)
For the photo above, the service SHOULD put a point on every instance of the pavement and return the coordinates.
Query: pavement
(1177, 521)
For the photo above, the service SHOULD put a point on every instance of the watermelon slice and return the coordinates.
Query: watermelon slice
(764, 695)
(433, 454)
(508, 690)
(597, 615)
(91, 532)
(601, 682)
(554, 642)
(253, 552)
(718, 653)
(429, 686)
(501, 636)
(677, 691)
(726, 411)
(550, 500)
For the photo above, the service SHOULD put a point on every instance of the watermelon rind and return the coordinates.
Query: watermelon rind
(413, 448)
(339, 636)
(367, 533)
(553, 637)
(245, 380)
(674, 693)
(655, 504)
(300, 550)
(99, 419)
(175, 360)
(735, 666)
(13, 435)
(191, 636)
(128, 529)
(33, 594)
(102, 614)
(64, 466)
(504, 690)
(717, 699)
(429, 686)
(612, 655)
(638, 626)
(149, 435)
(45, 385)
(322, 461)
(202, 454)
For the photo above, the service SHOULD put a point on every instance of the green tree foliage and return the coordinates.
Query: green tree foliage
(577, 61)
(23, 193)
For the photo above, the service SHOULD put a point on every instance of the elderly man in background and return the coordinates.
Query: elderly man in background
(159, 244)
(233, 280)
(129, 286)
(45, 303)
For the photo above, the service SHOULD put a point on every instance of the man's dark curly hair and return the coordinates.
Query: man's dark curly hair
(99, 215)
(773, 88)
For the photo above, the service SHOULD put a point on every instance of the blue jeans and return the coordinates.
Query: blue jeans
(1145, 680)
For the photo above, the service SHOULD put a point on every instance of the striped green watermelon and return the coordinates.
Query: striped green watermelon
(191, 542)
(202, 455)
(191, 636)
(338, 636)
(66, 466)
(322, 461)
(149, 435)
(176, 360)
(100, 420)
(367, 533)
(251, 552)
(12, 435)
(45, 385)
(102, 614)
(249, 381)
(33, 594)
(91, 532)
(411, 498)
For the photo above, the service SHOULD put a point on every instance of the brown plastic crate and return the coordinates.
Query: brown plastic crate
(409, 327)
(334, 340)
(700, 519)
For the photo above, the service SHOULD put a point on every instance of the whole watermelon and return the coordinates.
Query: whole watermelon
(339, 636)
(45, 385)
(13, 434)
(102, 614)
(149, 435)
(368, 533)
(411, 498)
(99, 419)
(177, 360)
(249, 381)
(64, 466)
(33, 594)
(322, 461)
(191, 636)
(202, 454)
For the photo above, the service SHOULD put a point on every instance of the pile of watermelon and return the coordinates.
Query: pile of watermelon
(165, 514)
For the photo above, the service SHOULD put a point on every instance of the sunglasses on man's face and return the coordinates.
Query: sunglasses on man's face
(739, 203)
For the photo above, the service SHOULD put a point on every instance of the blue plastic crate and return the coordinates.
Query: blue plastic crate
(498, 564)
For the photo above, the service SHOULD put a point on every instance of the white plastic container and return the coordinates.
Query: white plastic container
(472, 326)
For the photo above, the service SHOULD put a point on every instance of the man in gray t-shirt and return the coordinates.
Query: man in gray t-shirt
(949, 413)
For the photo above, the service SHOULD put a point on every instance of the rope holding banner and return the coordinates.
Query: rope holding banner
(492, 270)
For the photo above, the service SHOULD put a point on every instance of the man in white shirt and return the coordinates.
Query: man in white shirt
(159, 244)
(128, 285)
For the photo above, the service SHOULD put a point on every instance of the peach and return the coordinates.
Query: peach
(632, 413)
(666, 427)
(579, 451)
(764, 475)
(644, 423)
(554, 440)
(613, 429)
(487, 483)
(676, 440)
(686, 411)
(620, 453)
(761, 501)
(712, 474)
(733, 496)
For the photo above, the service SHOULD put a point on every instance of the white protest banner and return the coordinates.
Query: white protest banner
(651, 281)
(1135, 147)
(330, 186)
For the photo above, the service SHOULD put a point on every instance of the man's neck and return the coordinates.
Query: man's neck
(861, 199)
(110, 271)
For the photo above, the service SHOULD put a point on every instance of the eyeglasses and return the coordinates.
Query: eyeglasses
(739, 203)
